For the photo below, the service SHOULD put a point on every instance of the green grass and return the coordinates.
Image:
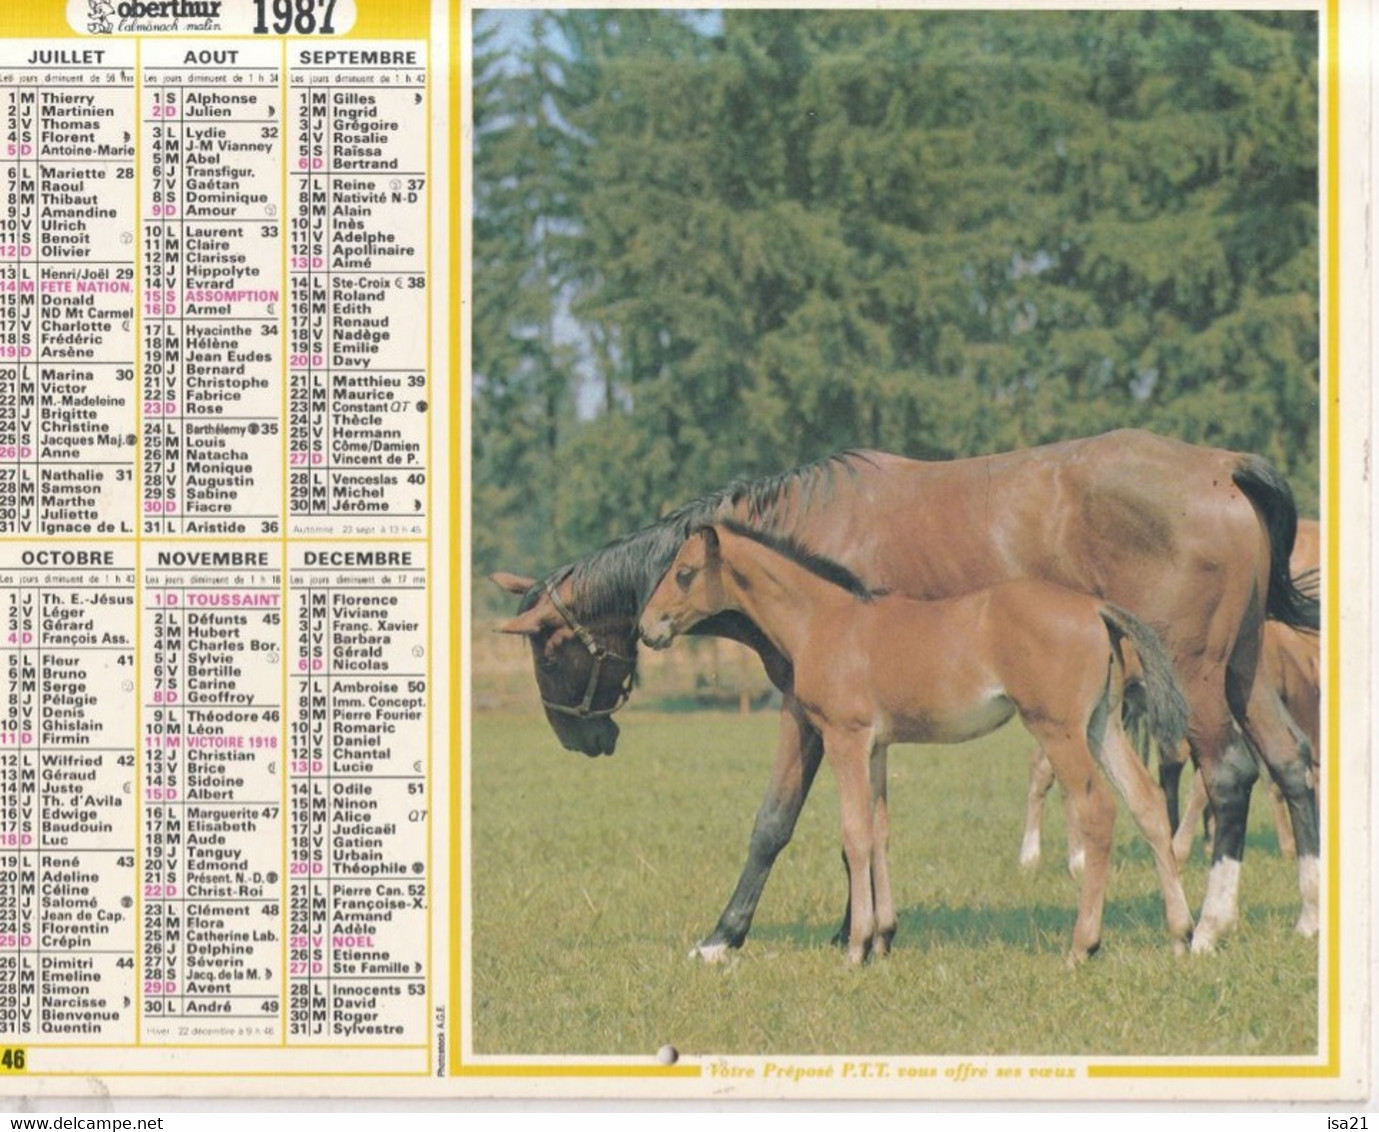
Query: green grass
(593, 878)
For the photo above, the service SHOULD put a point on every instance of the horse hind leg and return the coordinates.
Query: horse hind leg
(1196, 814)
(1187, 828)
(1229, 771)
(1095, 814)
(840, 937)
(1147, 806)
(1077, 855)
(1283, 823)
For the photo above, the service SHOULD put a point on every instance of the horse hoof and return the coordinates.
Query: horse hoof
(1079, 956)
(857, 954)
(710, 952)
(1309, 884)
(1203, 942)
(1029, 861)
(1308, 925)
(1208, 934)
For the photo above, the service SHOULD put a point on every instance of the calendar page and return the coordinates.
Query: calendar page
(321, 317)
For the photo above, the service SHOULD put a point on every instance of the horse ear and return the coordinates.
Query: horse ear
(524, 624)
(513, 583)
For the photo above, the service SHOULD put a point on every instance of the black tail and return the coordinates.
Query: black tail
(1273, 499)
(1155, 695)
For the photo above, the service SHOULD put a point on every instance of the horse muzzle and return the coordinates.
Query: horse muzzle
(658, 635)
(591, 737)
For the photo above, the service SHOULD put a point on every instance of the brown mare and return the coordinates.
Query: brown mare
(875, 669)
(1194, 541)
(1289, 669)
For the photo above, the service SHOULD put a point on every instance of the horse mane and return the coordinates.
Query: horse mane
(821, 566)
(616, 581)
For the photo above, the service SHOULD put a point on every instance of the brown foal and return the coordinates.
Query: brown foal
(872, 669)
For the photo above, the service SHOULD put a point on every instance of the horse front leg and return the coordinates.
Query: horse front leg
(1195, 814)
(850, 755)
(1147, 807)
(1229, 771)
(882, 900)
(799, 751)
(1283, 823)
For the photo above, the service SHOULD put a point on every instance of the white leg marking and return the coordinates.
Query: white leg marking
(710, 952)
(1310, 884)
(1220, 909)
(1030, 850)
(1077, 862)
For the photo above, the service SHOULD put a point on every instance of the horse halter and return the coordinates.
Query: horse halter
(585, 709)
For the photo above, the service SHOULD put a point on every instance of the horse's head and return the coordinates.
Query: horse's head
(691, 590)
(583, 671)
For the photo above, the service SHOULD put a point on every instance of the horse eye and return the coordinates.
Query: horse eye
(684, 576)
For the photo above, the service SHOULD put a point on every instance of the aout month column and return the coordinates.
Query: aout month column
(213, 289)
(211, 553)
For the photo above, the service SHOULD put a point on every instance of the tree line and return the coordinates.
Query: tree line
(716, 245)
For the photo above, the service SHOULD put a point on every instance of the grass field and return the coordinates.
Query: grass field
(592, 879)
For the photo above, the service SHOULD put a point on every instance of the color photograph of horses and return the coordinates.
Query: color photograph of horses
(884, 421)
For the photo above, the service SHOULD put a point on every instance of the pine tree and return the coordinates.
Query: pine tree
(756, 241)
(523, 384)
